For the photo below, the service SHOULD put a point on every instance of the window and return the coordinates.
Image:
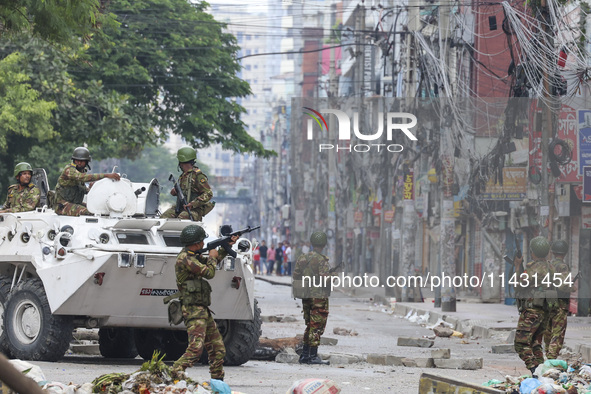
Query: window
(132, 238)
(248, 51)
(248, 37)
(247, 67)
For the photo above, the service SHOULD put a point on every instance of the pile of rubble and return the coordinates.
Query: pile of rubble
(552, 377)
(154, 377)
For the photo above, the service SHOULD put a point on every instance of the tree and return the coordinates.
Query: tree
(54, 20)
(22, 113)
(173, 58)
(84, 113)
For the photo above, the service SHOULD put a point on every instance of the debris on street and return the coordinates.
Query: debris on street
(344, 331)
(551, 377)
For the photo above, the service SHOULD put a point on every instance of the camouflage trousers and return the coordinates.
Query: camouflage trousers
(71, 209)
(554, 331)
(315, 316)
(170, 213)
(202, 331)
(529, 335)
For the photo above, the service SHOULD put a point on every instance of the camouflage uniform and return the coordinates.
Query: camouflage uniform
(534, 304)
(197, 192)
(70, 191)
(314, 265)
(23, 200)
(201, 328)
(555, 324)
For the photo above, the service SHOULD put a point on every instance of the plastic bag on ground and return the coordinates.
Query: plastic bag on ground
(585, 370)
(219, 386)
(546, 388)
(492, 382)
(529, 385)
(35, 372)
(561, 364)
(316, 386)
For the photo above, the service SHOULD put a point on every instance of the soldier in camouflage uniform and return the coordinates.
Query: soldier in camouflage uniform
(24, 195)
(555, 324)
(534, 303)
(195, 188)
(191, 271)
(71, 188)
(314, 298)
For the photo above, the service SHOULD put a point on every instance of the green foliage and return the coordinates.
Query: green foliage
(173, 59)
(83, 112)
(22, 112)
(55, 20)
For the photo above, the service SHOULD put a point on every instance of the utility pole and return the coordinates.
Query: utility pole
(548, 124)
(409, 216)
(447, 226)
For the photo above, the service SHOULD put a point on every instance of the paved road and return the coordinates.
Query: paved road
(377, 328)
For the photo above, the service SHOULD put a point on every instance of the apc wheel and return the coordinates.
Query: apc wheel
(4, 291)
(117, 343)
(241, 338)
(175, 343)
(33, 333)
(172, 343)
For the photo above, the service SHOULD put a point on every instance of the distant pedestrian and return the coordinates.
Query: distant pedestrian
(270, 259)
(287, 253)
(256, 256)
(279, 260)
(263, 249)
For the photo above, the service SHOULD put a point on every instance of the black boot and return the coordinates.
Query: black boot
(305, 355)
(314, 359)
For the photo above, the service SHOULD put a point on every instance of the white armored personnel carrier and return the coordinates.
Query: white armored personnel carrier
(111, 271)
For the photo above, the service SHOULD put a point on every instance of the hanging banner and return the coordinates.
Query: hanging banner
(584, 138)
(514, 185)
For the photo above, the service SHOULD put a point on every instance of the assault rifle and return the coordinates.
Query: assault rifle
(224, 241)
(181, 201)
(517, 254)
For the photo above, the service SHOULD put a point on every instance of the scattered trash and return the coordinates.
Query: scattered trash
(529, 385)
(440, 323)
(344, 331)
(553, 379)
(219, 387)
(316, 386)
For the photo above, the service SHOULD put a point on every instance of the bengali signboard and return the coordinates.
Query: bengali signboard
(514, 185)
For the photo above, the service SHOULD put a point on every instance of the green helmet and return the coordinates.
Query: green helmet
(318, 238)
(81, 153)
(540, 247)
(192, 234)
(185, 154)
(560, 247)
(20, 167)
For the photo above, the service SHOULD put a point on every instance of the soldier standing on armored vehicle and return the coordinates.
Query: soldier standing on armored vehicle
(314, 299)
(71, 188)
(24, 195)
(195, 292)
(195, 188)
